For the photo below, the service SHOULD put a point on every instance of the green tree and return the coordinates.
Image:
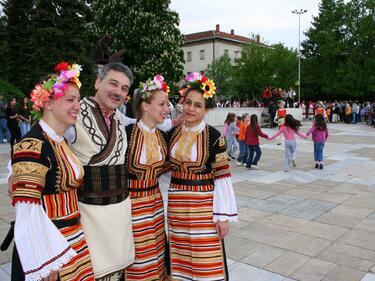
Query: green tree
(3, 48)
(358, 71)
(221, 71)
(46, 32)
(324, 51)
(147, 30)
(260, 66)
(15, 30)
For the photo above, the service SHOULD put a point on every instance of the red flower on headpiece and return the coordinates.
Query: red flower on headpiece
(62, 66)
(204, 79)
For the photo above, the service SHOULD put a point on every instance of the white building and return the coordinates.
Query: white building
(202, 48)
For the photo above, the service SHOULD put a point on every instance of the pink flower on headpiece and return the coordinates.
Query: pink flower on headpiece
(159, 77)
(193, 77)
(69, 74)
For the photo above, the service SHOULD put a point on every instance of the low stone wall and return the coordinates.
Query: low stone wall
(216, 116)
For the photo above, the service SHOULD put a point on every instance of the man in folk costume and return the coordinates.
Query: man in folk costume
(99, 141)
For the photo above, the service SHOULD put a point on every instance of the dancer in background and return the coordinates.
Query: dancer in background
(319, 132)
(253, 132)
(289, 130)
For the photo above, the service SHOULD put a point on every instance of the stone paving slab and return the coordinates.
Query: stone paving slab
(307, 224)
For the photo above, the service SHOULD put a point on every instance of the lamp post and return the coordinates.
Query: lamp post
(299, 13)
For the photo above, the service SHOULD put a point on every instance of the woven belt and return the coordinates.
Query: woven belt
(102, 194)
(192, 182)
(65, 223)
(141, 189)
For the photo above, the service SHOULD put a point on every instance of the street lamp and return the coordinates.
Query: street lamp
(299, 13)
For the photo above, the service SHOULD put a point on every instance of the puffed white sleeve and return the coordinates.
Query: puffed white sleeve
(40, 245)
(224, 205)
(225, 208)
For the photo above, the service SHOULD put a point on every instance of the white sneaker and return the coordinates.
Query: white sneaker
(238, 163)
(244, 164)
(255, 167)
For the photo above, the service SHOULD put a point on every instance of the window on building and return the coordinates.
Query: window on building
(188, 55)
(202, 54)
(236, 54)
(226, 52)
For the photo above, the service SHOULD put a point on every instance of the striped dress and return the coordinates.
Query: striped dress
(147, 202)
(200, 194)
(48, 233)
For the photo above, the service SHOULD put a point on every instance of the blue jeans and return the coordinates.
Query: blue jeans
(318, 150)
(251, 160)
(242, 157)
(25, 127)
(290, 149)
(4, 128)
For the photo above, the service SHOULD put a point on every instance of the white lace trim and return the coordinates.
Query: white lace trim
(56, 265)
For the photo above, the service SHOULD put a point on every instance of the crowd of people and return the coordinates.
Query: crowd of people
(244, 133)
(350, 112)
(84, 182)
(15, 120)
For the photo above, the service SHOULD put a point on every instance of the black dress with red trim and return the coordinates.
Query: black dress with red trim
(147, 205)
(48, 233)
(200, 194)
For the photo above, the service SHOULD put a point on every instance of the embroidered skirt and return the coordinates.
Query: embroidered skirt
(63, 207)
(196, 251)
(148, 231)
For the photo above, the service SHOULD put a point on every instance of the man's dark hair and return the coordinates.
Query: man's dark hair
(116, 66)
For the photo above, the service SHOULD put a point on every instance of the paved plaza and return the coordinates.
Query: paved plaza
(306, 224)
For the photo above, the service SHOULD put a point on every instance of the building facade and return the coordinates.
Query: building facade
(202, 48)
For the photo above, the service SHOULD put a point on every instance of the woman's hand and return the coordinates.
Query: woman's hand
(52, 277)
(222, 228)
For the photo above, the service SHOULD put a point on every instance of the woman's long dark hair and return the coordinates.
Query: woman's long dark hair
(292, 123)
(320, 123)
(254, 124)
(9, 102)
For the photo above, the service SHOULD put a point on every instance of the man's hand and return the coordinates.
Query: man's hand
(10, 187)
(52, 277)
(222, 228)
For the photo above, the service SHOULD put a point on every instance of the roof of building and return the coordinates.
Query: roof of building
(217, 34)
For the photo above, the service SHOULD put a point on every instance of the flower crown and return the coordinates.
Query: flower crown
(146, 88)
(195, 79)
(55, 85)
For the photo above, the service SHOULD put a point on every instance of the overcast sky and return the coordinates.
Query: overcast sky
(272, 19)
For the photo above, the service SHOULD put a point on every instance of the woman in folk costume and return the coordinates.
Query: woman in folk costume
(280, 117)
(146, 160)
(201, 200)
(50, 244)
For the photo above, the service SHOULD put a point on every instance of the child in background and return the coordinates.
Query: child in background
(242, 157)
(232, 130)
(289, 130)
(319, 133)
(238, 125)
(225, 129)
(253, 131)
(280, 117)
